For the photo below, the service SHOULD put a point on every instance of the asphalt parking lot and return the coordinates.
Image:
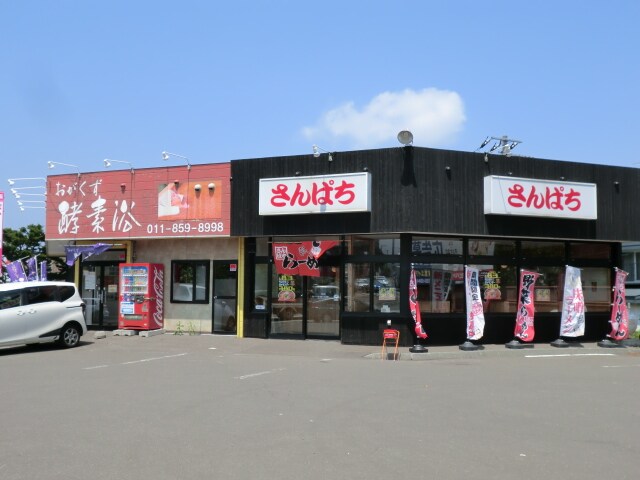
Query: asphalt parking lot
(192, 407)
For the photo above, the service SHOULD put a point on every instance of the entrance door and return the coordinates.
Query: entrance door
(99, 290)
(323, 304)
(305, 307)
(224, 293)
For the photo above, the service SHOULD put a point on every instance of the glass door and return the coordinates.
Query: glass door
(224, 293)
(323, 304)
(99, 290)
(304, 307)
(287, 305)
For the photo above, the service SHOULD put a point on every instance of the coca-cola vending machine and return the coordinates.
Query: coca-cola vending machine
(141, 296)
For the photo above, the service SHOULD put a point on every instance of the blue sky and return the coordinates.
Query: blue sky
(84, 80)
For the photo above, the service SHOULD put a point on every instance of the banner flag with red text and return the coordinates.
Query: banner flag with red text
(475, 311)
(300, 258)
(414, 306)
(572, 321)
(619, 312)
(525, 330)
(440, 285)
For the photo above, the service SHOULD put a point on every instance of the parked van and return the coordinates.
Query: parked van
(41, 312)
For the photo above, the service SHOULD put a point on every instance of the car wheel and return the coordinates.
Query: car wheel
(69, 336)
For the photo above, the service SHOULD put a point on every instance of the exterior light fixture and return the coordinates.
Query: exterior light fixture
(108, 161)
(166, 155)
(317, 152)
(53, 164)
(12, 181)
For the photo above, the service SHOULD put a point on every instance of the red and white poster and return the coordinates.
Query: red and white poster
(619, 313)
(525, 330)
(300, 258)
(414, 306)
(572, 321)
(475, 312)
(440, 285)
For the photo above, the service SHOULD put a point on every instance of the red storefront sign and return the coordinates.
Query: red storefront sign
(540, 198)
(349, 192)
(145, 203)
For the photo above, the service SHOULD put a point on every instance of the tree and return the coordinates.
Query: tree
(27, 242)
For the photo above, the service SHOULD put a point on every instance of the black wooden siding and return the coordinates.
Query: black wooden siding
(412, 191)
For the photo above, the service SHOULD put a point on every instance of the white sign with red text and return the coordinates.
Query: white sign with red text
(348, 192)
(540, 198)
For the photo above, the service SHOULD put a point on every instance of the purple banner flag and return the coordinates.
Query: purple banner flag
(32, 269)
(74, 251)
(43, 270)
(16, 271)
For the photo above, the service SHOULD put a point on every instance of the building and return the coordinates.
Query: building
(381, 213)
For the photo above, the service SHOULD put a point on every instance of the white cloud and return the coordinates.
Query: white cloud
(433, 116)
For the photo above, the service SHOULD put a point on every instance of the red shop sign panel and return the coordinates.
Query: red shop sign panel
(145, 203)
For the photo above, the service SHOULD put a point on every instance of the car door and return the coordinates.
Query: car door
(12, 317)
(44, 314)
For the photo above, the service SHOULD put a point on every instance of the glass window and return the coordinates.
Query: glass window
(440, 287)
(260, 287)
(599, 251)
(629, 265)
(375, 245)
(386, 283)
(66, 292)
(40, 294)
(543, 250)
(498, 287)
(358, 282)
(492, 248)
(286, 303)
(262, 247)
(436, 246)
(10, 299)
(596, 287)
(190, 281)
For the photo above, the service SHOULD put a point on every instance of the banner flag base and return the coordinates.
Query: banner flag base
(562, 343)
(609, 343)
(469, 346)
(417, 348)
(515, 343)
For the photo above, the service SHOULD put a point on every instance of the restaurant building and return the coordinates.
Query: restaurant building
(435, 211)
(236, 240)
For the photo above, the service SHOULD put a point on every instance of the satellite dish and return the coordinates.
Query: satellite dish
(405, 137)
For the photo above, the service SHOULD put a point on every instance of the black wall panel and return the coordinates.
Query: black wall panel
(414, 191)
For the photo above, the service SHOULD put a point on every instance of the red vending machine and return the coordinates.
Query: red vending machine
(141, 296)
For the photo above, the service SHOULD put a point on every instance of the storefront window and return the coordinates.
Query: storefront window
(492, 248)
(440, 287)
(190, 281)
(436, 246)
(596, 286)
(372, 287)
(546, 250)
(590, 251)
(375, 245)
(498, 288)
(260, 287)
(358, 281)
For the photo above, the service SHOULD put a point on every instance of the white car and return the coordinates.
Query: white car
(41, 312)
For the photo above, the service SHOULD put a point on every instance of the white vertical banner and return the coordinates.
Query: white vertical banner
(475, 312)
(573, 309)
